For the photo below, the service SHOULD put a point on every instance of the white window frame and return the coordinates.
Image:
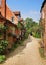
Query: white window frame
(12, 18)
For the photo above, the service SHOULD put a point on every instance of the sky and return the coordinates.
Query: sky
(28, 8)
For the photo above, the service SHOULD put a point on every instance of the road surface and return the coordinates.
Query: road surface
(29, 55)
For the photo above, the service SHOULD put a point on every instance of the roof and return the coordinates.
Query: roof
(17, 12)
(11, 23)
(43, 5)
(10, 14)
(3, 18)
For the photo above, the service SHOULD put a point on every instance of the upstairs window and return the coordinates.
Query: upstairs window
(0, 2)
(12, 18)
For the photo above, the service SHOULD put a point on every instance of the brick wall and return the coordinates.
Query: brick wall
(44, 25)
(3, 8)
(8, 12)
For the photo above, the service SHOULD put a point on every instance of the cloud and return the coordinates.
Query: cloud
(32, 14)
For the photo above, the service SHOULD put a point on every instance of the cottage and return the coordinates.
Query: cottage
(21, 24)
(10, 20)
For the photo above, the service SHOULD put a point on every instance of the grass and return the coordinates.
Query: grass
(2, 58)
(41, 50)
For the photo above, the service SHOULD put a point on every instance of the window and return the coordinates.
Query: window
(0, 2)
(12, 19)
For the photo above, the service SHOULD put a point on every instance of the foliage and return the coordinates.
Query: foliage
(3, 46)
(18, 42)
(19, 25)
(33, 28)
(2, 27)
(2, 58)
(26, 35)
(41, 50)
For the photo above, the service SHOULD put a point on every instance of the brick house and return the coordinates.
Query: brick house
(21, 22)
(43, 23)
(10, 31)
(8, 18)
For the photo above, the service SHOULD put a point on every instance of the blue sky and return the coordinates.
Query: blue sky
(28, 8)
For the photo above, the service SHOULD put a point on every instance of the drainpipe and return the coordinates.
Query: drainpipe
(5, 8)
(5, 23)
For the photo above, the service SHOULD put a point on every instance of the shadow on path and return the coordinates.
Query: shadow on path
(20, 48)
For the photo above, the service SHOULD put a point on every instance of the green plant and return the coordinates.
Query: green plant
(2, 58)
(19, 25)
(26, 35)
(2, 27)
(37, 35)
(33, 27)
(3, 45)
(41, 50)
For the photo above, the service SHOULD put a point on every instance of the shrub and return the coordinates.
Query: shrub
(41, 50)
(2, 58)
(26, 35)
(3, 46)
(37, 35)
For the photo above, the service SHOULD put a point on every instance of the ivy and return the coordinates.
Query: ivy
(3, 45)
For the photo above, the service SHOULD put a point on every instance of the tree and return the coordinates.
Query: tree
(33, 27)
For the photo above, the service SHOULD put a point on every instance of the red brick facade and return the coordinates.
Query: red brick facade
(6, 12)
(43, 22)
(11, 20)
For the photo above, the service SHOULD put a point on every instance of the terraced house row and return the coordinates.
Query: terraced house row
(9, 20)
(43, 23)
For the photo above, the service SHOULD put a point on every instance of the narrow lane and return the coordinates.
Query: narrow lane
(28, 56)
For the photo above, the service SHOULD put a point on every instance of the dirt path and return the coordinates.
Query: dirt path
(29, 55)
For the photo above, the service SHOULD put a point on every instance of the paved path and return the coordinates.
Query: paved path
(28, 56)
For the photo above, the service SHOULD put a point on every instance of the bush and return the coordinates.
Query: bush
(41, 50)
(2, 58)
(37, 35)
(3, 46)
(26, 35)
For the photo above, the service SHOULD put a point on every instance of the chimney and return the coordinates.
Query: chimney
(3, 8)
